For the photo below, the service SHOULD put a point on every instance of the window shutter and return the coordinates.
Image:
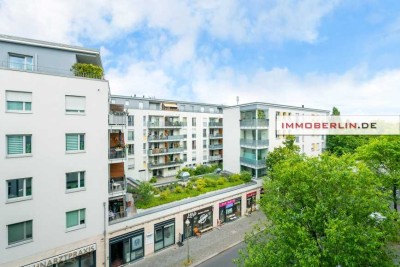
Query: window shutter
(72, 218)
(15, 144)
(71, 142)
(19, 96)
(75, 103)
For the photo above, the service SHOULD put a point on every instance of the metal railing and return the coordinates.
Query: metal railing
(47, 70)
(215, 124)
(218, 146)
(116, 119)
(253, 162)
(116, 153)
(158, 151)
(212, 158)
(214, 136)
(254, 143)
(116, 215)
(165, 124)
(165, 164)
(254, 123)
(155, 138)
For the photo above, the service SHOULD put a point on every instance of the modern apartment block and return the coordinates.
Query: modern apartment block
(252, 134)
(53, 164)
(162, 136)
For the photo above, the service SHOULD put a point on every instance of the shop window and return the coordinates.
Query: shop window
(164, 234)
(126, 248)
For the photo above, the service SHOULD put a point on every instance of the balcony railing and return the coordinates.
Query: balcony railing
(116, 119)
(212, 158)
(215, 136)
(218, 146)
(254, 143)
(253, 162)
(116, 215)
(116, 186)
(160, 151)
(255, 123)
(213, 124)
(165, 124)
(155, 138)
(46, 70)
(165, 164)
(116, 153)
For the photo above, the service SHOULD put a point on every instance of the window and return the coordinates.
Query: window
(202, 109)
(204, 132)
(76, 218)
(193, 121)
(18, 188)
(131, 135)
(193, 145)
(131, 149)
(204, 143)
(211, 110)
(75, 104)
(75, 142)
(20, 62)
(19, 232)
(130, 120)
(75, 180)
(19, 101)
(19, 144)
(140, 105)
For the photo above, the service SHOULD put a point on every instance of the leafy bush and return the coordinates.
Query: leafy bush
(156, 191)
(153, 180)
(221, 181)
(165, 194)
(200, 184)
(234, 177)
(210, 182)
(178, 189)
(144, 191)
(245, 177)
(87, 70)
(189, 185)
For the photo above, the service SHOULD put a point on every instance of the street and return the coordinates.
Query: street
(225, 258)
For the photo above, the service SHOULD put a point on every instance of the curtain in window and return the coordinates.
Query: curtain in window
(72, 142)
(72, 218)
(15, 144)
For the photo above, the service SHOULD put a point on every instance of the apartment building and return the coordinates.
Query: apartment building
(252, 135)
(53, 164)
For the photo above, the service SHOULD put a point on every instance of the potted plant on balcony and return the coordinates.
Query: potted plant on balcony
(87, 70)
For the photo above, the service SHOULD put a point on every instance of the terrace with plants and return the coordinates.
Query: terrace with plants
(148, 196)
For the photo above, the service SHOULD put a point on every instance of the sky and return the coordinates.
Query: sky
(316, 53)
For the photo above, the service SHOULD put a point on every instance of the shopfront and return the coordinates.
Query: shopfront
(200, 220)
(230, 210)
(164, 234)
(126, 248)
(251, 202)
(81, 257)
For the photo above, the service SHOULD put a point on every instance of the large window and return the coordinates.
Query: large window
(164, 234)
(75, 104)
(131, 149)
(131, 135)
(130, 120)
(19, 101)
(20, 62)
(19, 144)
(19, 188)
(75, 180)
(126, 248)
(76, 219)
(19, 232)
(75, 142)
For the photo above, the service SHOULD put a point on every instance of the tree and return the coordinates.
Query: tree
(144, 191)
(382, 155)
(322, 211)
(344, 144)
(281, 153)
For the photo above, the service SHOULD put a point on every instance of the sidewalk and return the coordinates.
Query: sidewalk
(201, 249)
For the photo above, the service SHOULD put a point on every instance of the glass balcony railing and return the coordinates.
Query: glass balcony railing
(161, 151)
(217, 146)
(165, 124)
(116, 153)
(216, 157)
(213, 124)
(215, 136)
(117, 186)
(253, 162)
(165, 164)
(254, 143)
(155, 138)
(255, 123)
(115, 119)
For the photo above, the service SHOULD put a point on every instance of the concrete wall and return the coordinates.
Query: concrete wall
(231, 145)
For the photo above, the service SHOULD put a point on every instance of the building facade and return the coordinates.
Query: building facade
(53, 160)
(252, 135)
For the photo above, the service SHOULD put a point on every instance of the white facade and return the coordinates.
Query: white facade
(252, 135)
(47, 122)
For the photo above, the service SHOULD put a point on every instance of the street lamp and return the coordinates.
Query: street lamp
(187, 236)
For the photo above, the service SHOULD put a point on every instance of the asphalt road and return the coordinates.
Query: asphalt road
(225, 258)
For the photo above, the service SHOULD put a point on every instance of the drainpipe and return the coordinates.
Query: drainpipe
(105, 234)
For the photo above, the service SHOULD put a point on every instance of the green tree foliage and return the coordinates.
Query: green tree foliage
(281, 153)
(382, 155)
(144, 191)
(245, 177)
(344, 144)
(319, 211)
(87, 70)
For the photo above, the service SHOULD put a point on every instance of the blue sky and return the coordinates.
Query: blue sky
(317, 53)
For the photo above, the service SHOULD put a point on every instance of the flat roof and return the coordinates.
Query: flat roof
(39, 43)
(278, 106)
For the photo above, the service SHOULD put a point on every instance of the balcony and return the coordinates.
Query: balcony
(254, 143)
(253, 163)
(216, 136)
(255, 123)
(165, 124)
(162, 138)
(213, 124)
(117, 187)
(165, 164)
(116, 119)
(30, 67)
(214, 158)
(116, 153)
(164, 151)
(214, 147)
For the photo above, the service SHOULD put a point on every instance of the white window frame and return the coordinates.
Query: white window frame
(79, 225)
(25, 64)
(23, 241)
(24, 103)
(133, 136)
(80, 187)
(24, 154)
(75, 111)
(132, 122)
(129, 149)
(79, 143)
(24, 189)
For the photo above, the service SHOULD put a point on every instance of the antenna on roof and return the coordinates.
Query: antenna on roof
(237, 100)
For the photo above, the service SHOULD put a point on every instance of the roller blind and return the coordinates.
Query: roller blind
(18, 96)
(72, 142)
(75, 103)
(15, 144)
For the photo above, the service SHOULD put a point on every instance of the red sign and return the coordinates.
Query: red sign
(252, 194)
(223, 204)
